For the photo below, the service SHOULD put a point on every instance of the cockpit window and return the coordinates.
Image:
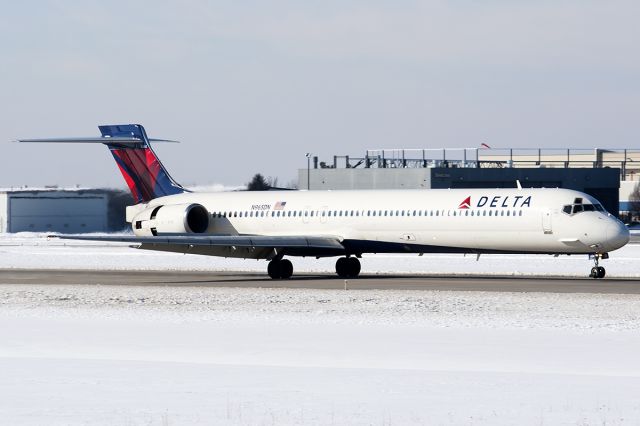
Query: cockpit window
(572, 209)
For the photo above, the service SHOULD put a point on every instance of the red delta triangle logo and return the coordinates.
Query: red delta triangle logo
(466, 203)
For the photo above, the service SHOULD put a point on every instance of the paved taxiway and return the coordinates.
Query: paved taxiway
(319, 281)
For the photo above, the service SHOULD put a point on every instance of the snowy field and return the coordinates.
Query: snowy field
(127, 355)
(31, 250)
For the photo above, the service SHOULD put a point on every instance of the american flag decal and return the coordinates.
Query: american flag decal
(280, 205)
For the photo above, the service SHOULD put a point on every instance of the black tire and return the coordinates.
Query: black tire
(601, 272)
(594, 272)
(342, 267)
(274, 269)
(354, 267)
(286, 269)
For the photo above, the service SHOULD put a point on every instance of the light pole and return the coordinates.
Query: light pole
(308, 155)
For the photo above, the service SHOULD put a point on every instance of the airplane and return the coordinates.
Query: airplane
(270, 225)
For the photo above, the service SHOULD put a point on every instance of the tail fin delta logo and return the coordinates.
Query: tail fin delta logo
(466, 203)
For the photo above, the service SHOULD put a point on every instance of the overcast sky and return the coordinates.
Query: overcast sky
(252, 86)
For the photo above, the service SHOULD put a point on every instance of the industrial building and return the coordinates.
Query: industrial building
(608, 175)
(54, 210)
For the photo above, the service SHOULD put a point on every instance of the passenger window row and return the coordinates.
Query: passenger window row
(375, 213)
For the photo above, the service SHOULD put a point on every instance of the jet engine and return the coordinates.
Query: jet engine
(171, 219)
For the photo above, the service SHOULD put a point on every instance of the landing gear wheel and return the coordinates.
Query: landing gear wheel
(598, 271)
(354, 267)
(348, 267)
(286, 269)
(273, 269)
(342, 267)
(280, 269)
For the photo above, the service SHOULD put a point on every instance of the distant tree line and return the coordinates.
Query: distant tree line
(260, 183)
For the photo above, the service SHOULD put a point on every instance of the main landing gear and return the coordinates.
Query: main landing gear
(280, 269)
(598, 271)
(348, 267)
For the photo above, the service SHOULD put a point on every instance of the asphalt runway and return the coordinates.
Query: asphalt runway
(319, 281)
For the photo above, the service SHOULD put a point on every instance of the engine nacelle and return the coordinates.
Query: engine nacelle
(171, 219)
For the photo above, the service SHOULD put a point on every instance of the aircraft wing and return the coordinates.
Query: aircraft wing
(227, 245)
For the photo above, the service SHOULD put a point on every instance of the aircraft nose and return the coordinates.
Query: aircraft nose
(617, 235)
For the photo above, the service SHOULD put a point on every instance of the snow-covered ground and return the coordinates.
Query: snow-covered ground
(182, 356)
(207, 356)
(32, 250)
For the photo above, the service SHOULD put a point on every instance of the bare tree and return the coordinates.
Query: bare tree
(292, 184)
(272, 182)
(634, 203)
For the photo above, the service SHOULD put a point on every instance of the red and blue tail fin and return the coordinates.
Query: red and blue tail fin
(142, 170)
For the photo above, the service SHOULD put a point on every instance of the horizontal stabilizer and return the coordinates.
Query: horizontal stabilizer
(131, 148)
(105, 140)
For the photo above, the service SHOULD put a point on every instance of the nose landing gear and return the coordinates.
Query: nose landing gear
(598, 271)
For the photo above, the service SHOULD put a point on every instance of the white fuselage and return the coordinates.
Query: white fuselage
(463, 220)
